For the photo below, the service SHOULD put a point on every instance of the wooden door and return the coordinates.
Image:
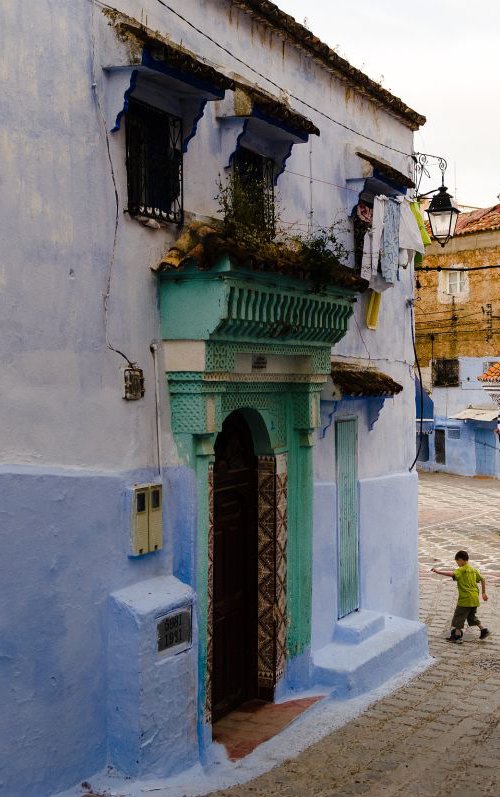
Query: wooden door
(485, 444)
(346, 443)
(234, 674)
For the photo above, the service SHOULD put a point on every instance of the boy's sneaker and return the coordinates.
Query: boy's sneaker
(484, 633)
(456, 638)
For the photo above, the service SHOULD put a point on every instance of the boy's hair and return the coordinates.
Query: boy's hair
(462, 555)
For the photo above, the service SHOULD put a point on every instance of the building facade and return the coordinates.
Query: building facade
(458, 339)
(199, 505)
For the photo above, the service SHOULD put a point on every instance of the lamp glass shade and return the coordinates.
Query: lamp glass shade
(443, 216)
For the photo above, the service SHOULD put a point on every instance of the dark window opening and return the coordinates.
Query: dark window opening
(423, 443)
(154, 163)
(253, 191)
(445, 373)
(454, 434)
(440, 446)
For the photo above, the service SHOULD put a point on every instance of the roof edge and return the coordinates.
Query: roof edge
(299, 35)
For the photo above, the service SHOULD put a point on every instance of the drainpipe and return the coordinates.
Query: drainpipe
(154, 351)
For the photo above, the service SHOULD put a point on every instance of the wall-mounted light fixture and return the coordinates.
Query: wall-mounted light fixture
(442, 211)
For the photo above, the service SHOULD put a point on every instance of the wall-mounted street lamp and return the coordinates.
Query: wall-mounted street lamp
(442, 211)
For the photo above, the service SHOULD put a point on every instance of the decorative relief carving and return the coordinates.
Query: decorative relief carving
(221, 356)
(272, 532)
(210, 595)
(280, 609)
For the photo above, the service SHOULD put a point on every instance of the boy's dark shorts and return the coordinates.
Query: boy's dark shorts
(463, 613)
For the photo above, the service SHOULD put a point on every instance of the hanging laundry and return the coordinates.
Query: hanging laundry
(390, 241)
(379, 206)
(417, 212)
(370, 255)
(364, 212)
(410, 239)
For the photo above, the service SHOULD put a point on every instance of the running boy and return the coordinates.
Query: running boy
(467, 579)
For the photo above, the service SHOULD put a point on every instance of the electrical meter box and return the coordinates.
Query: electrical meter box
(147, 519)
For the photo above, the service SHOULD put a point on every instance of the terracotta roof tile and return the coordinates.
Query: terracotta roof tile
(204, 244)
(479, 220)
(301, 37)
(276, 109)
(358, 381)
(134, 32)
(492, 374)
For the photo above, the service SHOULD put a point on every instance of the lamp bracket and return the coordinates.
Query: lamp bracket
(420, 163)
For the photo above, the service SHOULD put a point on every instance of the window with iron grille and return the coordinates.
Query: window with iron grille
(253, 189)
(453, 433)
(154, 162)
(445, 373)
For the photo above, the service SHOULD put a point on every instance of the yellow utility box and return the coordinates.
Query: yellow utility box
(147, 525)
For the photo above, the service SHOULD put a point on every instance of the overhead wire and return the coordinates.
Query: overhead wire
(454, 268)
(266, 78)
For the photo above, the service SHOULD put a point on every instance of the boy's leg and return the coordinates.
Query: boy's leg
(457, 623)
(473, 619)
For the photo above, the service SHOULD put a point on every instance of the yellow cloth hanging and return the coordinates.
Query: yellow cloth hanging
(417, 212)
(373, 309)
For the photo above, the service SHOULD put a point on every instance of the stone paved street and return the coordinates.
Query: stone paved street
(440, 734)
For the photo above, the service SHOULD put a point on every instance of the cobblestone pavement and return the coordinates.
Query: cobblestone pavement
(440, 734)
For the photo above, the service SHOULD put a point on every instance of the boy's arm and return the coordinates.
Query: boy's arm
(449, 573)
(483, 588)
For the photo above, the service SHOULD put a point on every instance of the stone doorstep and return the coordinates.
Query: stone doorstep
(353, 669)
(358, 626)
(263, 721)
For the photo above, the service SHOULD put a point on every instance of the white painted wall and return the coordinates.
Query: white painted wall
(62, 399)
(71, 446)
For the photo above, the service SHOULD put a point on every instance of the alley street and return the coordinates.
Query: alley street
(440, 734)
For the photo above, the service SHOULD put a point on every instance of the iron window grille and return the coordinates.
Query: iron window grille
(445, 373)
(254, 195)
(154, 163)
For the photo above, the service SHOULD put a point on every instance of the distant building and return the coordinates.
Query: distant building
(205, 486)
(457, 314)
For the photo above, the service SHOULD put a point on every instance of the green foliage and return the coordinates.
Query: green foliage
(249, 213)
(322, 253)
(251, 218)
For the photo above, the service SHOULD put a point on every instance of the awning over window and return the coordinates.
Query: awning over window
(356, 381)
(263, 123)
(477, 414)
(384, 171)
(163, 75)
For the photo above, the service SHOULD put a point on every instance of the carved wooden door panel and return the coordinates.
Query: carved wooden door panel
(234, 674)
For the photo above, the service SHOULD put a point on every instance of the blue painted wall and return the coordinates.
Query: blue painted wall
(461, 455)
(65, 548)
(71, 447)
(388, 526)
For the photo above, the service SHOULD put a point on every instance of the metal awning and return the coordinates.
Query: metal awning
(477, 414)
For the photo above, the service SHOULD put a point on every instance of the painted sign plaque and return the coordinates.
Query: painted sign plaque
(175, 631)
